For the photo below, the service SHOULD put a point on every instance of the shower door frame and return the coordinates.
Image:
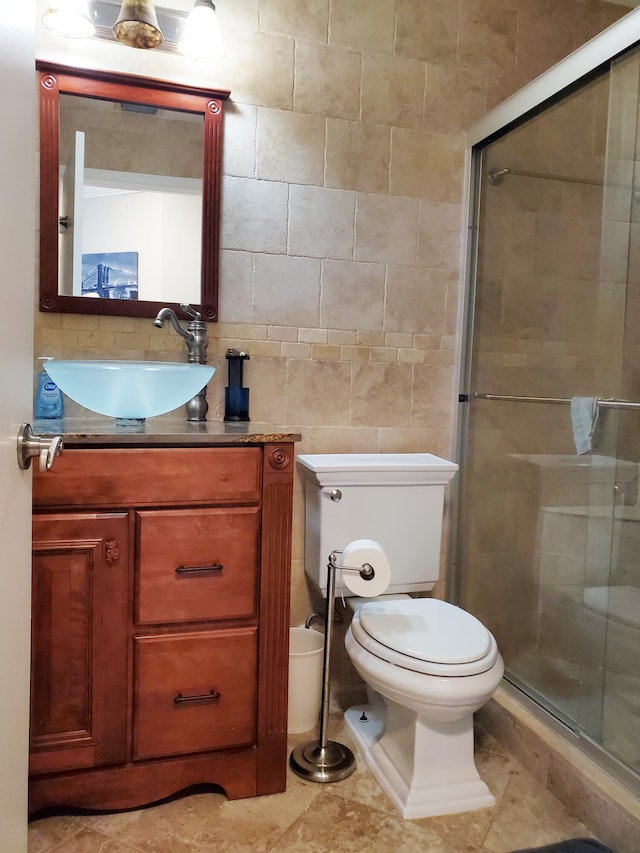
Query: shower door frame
(545, 89)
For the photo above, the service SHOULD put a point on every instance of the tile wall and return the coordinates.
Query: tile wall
(341, 206)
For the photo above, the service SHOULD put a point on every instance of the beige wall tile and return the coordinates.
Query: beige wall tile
(379, 394)
(321, 222)
(455, 98)
(243, 14)
(389, 354)
(341, 337)
(347, 439)
(439, 234)
(282, 333)
(432, 395)
(352, 295)
(410, 356)
(137, 325)
(295, 350)
(290, 147)
(393, 91)
(313, 336)
(247, 54)
(487, 36)
(421, 164)
(329, 352)
(435, 440)
(298, 303)
(254, 215)
(327, 80)
(50, 341)
(386, 229)
(235, 287)
(357, 157)
(552, 35)
(96, 340)
(318, 393)
(399, 339)
(239, 145)
(354, 353)
(266, 380)
(362, 25)
(370, 339)
(265, 349)
(416, 300)
(427, 30)
(302, 19)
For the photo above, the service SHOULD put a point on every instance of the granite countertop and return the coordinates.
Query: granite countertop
(159, 432)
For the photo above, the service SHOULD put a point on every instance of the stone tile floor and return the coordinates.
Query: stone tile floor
(351, 815)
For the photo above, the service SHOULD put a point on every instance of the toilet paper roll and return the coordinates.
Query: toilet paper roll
(355, 555)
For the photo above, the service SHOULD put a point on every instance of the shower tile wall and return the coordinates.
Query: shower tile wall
(342, 209)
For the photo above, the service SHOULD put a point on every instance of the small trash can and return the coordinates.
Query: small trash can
(306, 658)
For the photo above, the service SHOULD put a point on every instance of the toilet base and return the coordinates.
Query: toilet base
(448, 786)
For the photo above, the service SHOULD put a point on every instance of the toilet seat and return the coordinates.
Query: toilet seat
(425, 635)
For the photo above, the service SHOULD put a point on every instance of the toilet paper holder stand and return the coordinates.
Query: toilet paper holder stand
(327, 760)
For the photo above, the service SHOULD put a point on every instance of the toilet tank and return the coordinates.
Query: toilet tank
(397, 499)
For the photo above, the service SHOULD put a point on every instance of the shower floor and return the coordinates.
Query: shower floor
(607, 706)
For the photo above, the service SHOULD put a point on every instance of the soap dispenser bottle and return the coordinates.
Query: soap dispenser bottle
(236, 397)
(48, 396)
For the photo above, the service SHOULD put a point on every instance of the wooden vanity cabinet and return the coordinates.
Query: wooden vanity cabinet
(160, 623)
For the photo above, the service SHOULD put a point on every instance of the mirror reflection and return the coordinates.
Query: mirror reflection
(130, 171)
(130, 201)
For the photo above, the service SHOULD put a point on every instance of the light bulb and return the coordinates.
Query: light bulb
(202, 38)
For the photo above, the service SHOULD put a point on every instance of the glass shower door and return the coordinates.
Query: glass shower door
(545, 543)
(612, 586)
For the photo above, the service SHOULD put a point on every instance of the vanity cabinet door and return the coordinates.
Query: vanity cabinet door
(79, 641)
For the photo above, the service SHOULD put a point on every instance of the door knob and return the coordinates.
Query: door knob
(31, 446)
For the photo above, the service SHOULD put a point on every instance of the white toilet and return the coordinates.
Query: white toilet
(427, 664)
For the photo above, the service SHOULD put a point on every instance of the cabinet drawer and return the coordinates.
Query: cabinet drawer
(151, 477)
(194, 692)
(197, 564)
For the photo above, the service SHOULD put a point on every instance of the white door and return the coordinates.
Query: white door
(17, 264)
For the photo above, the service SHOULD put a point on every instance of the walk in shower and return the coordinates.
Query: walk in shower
(548, 552)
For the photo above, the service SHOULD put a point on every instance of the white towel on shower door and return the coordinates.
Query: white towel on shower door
(584, 416)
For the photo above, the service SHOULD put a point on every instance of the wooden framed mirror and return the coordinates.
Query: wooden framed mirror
(130, 172)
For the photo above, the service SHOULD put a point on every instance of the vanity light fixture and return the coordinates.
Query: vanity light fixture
(137, 24)
(140, 24)
(69, 18)
(201, 38)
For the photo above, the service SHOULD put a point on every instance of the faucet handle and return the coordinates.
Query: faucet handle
(190, 312)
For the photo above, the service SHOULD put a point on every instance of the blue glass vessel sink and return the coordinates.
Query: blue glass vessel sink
(129, 389)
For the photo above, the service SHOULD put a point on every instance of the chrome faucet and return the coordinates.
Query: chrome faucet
(196, 341)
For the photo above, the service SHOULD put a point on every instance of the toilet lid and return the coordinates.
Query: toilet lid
(426, 629)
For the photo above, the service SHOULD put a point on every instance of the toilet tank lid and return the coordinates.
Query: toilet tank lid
(376, 468)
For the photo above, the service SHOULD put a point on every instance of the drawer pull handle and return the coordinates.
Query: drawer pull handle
(201, 697)
(190, 570)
